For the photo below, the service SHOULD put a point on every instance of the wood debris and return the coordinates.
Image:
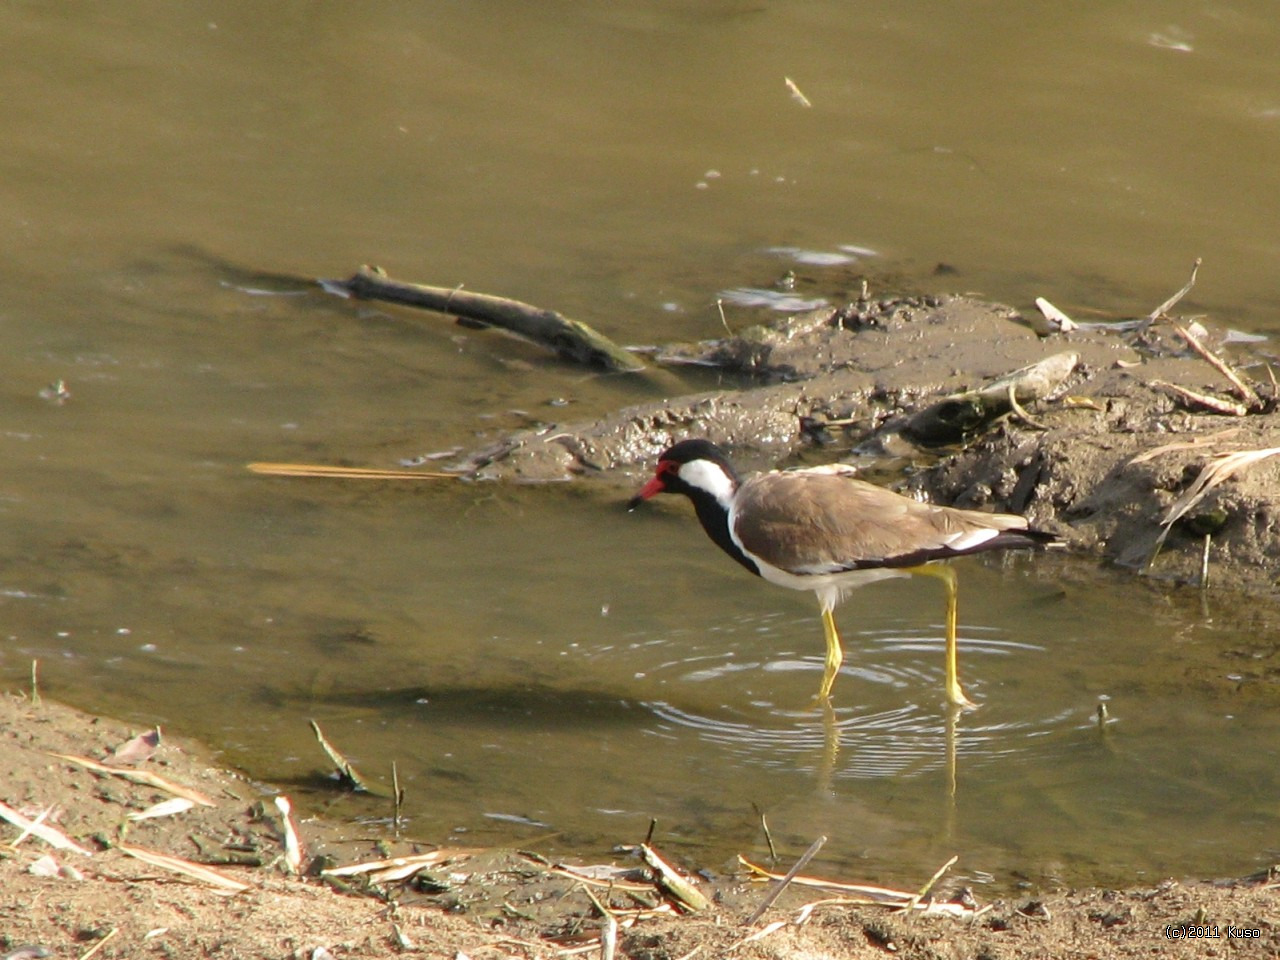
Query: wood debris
(347, 773)
(400, 868)
(790, 875)
(569, 339)
(1054, 320)
(670, 880)
(861, 894)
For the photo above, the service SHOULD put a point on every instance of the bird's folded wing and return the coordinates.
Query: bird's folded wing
(813, 523)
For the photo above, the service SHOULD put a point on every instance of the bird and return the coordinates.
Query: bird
(821, 529)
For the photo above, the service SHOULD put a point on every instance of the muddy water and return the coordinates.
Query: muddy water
(540, 666)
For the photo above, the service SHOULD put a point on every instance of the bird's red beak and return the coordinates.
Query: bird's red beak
(652, 488)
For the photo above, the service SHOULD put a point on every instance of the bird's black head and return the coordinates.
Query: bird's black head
(695, 468)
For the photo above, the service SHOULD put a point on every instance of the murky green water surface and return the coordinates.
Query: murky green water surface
(540, 666)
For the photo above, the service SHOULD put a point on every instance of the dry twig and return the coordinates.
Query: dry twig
(342, 766)
(1206, 400)
(1242, 389)
(1169, 304)
(790, 875)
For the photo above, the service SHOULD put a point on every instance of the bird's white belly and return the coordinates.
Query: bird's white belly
(830, 587)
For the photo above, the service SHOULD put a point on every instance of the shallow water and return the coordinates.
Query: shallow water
(541, 666)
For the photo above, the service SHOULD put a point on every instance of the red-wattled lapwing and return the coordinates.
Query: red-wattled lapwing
(820, 529)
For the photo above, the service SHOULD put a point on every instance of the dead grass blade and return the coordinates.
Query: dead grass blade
(344, 473)
(397, 868)
(36, 828)
(924, 891)
(615, 878)
(1243, 390)
(93, 951)
(796, 95)
(166, 808)
(219, 881)
(1172, 302)
(144, 777)
(1193, 444)
(1218, 470)
(863, 895)
(956, 910)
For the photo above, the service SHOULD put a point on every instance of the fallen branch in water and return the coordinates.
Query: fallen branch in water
(570, 339)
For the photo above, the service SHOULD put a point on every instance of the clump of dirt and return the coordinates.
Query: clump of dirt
(493, 903)
(1098, 462)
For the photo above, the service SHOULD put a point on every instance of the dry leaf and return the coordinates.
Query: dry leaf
(144, 777)
(219, 881)
(292, 845)
(140, 748)
(165, 808)
(55, 838)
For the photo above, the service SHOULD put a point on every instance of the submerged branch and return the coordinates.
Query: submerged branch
(570, 339)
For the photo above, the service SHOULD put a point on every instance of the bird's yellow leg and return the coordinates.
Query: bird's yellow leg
(948, 577)
(835, 654)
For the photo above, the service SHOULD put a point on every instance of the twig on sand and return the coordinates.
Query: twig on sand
(689, 896)
(1198, 399)
(100, 944)
(781, 884)
(924, 891)
(1242, 389)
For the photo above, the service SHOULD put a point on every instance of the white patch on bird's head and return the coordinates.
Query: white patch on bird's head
(710, 477)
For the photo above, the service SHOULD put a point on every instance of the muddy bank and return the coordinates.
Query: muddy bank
(491, 903)
(1098, 460)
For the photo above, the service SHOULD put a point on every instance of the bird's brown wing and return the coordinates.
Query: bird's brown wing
(809, 522)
